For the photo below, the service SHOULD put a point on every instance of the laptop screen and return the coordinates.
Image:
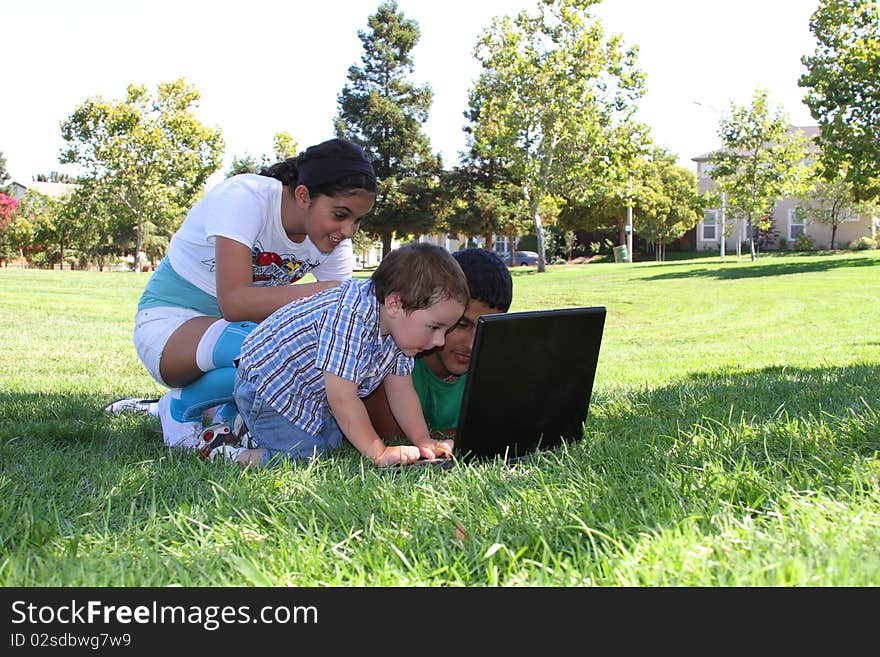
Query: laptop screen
(529, 381)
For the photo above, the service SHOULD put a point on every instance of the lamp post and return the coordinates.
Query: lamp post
(629, 221)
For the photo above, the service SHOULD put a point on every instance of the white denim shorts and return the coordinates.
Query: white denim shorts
(152, 328)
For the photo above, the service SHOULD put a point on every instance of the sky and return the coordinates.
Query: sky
(279, 66)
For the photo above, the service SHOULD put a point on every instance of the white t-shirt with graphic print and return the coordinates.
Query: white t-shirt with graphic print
(247, 208)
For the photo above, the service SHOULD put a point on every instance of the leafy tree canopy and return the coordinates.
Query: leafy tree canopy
(555, 101)
(284, 147)
(667, 203)
(145, 158)
(761, 161)
(832, 203)
(380, 109)
(4, 174)
(843, 92)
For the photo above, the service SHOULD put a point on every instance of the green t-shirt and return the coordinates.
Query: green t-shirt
(441, 400)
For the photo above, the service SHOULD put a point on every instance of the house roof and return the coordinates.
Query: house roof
(809, 131)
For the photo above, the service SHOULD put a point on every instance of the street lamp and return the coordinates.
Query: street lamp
(629, 220)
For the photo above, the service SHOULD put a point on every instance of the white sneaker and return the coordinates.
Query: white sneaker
(245, 439)
(230, 438)
(133, 404)
(226, 451)
(177, 434)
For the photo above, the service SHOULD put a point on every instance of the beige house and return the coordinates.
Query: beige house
(500, 243)
(788, 224)
(54, 190)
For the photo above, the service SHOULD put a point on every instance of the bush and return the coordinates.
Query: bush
(803, 243)
(863, 244)
(783, 244)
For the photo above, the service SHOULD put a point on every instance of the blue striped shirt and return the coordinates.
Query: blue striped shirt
(335, 330)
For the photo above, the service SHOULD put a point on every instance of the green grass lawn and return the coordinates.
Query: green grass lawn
(732, 439)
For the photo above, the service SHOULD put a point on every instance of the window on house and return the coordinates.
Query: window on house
(705, 170)
(796, 224)
(501, 247)
(710, 225)
(849, 215)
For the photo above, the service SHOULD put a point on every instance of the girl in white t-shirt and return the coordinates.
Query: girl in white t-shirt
(231, 264)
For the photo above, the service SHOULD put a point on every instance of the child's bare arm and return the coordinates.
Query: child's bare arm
(407, 410)
(351, 414)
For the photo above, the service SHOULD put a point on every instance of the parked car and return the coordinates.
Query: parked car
(525, 259)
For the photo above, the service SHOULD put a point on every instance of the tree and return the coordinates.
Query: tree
(362, 244)
(18, 238)
(101, 237)
(667, 202)
(384, 112)
(55, 177)
(284, 146)
(832, 203)
(556, 101)
(568, 241)
(843, 92)
(4, 174)
(53, 226)
(8, 207)
(145, 158)
(761, 161)
(479, 199)
(247, 163)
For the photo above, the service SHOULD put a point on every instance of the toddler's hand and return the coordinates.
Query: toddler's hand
(397, 454)
(434, 449)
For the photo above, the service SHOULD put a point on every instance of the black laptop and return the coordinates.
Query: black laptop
(529, 381)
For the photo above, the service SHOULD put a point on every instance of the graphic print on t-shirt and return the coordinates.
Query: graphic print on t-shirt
(270, 268)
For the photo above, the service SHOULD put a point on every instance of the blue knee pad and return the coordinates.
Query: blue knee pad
(226, 412)
(229, 343)
(213, 388)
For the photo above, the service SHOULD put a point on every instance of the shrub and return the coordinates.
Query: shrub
(803, 242)
(783, 244)
(863, 244)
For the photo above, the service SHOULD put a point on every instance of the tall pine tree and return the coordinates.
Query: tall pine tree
(380, 109)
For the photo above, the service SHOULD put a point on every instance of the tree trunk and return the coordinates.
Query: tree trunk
(386, 243)
(534, 206)
(753, 254)
(139, 240)
(833, 235)
(539, 230)
(739, 241)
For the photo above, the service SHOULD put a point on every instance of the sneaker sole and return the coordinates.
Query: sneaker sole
(109, 407)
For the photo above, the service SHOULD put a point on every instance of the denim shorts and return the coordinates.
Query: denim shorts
(280, 437)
